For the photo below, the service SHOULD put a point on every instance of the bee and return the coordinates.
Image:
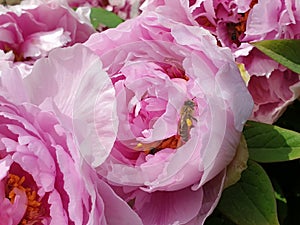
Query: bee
(183, 132)
(234, 32)
(10, 2)
(186, 120)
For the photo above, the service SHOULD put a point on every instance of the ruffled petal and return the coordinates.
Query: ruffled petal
(116, 210)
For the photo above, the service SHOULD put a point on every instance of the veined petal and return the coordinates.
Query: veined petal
(71, 75)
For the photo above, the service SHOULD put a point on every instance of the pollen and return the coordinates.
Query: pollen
(139, 145)
(172, 142)
(245, 75)
(32, 214)
(189, 122)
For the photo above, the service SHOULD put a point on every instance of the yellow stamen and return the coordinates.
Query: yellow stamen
(245, 75)
(33, 211)
(153, 147)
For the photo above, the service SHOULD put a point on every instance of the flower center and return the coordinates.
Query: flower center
(173, 142)
(235, 30)
(204, 21)
(173, 69)
(18, 57)
(33, 212)
(183, 132)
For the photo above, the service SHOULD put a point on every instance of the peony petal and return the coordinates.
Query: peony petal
(72, 86)
(262, 12)
(11, 85)
(39, 44)
(211, 194)
(5, 164)
(57, 212)
(19, 206)
(161, 207)
(116, 210)
(272, 95)
(72, 185)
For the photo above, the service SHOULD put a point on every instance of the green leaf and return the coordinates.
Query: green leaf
(286, 52)
(251, 200)
(269, 143)
(101, 16)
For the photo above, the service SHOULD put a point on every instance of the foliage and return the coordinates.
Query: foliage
(285, 52)
(100, 16)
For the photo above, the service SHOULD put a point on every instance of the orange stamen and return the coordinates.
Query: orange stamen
(176, 72)
(18, 57)
(173, 142)
(32, 214)
(237, 29)
(205, 22)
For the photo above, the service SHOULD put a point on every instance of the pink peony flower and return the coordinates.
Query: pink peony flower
(29, 31)
(272, 95)
(278, 86)
(44, 178)
(237, 23)
(181, 105)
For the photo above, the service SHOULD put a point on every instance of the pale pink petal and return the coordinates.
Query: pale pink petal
(116, 210)
(91, 106)
(262, 12)
(19, 206)
(4, 167)
(212, 191)
(161, 207)
(272, 95)
(57, 212)
(39, 44)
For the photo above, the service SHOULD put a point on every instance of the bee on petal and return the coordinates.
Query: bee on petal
(186, 120)
(183, 133)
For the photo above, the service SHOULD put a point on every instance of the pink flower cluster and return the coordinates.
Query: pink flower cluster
(136, 124)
